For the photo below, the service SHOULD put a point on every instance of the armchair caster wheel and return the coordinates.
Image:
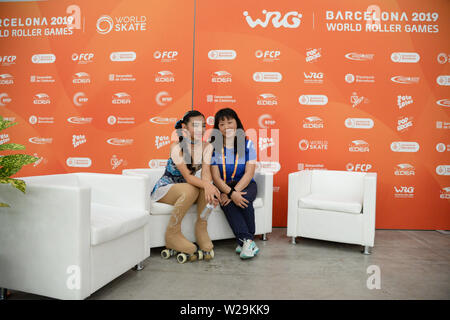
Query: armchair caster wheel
(139, 266)
(3, 293)
(366, 250)
(264, 237)
(293, 240)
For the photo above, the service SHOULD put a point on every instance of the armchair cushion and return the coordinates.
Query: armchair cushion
(331, 203)
(108, 223)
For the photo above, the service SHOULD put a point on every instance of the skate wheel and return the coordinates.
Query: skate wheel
(181, 258)
(212, 253)
(209, 255)
(200, 255)
(165, 254)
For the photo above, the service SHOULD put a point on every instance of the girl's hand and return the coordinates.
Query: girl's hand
(211, 194)
(239, 200)
(224, 200)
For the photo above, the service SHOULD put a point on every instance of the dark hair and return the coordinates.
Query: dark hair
(228, 113)
(181, 139)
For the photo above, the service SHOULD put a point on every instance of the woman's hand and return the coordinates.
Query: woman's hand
(238, 199)
(224, 200)
(212, 194)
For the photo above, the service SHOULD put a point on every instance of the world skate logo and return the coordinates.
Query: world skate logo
(265, 143)
(406, 192)
(119, 141)
(105, 24)
(267, 99)
(405, 79)
(6, 79)
(221, 77)
(290, 20)
(404, 123)
(81, 77)
(313, 122)
(79, 120)
(41, 98)
(165, 76)
(313, 55)
(403, 101)
(356, 100)
(161, 141)
(359, 56)
(121, 98)
(445, 193)
(78, 140)
(319, 145)
(404, 169)
(116, 162)
(359, 146)
(4, 99)
(266, 121)
(4, 138)
(163, 98)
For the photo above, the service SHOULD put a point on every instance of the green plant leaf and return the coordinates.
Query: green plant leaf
(4, 205)
(16, 183)
(6, 124)
(11, 146)
(15, 160)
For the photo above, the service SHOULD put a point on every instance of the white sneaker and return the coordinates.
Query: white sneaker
(247, 249)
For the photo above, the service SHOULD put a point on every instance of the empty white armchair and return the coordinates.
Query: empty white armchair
(218, 227)
(333, 205)
(71, 234)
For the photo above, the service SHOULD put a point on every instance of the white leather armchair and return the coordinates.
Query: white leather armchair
(71, 234)
(218, 227)
(333, 205)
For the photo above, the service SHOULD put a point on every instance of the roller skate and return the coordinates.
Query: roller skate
(201, 233)
(181, 256)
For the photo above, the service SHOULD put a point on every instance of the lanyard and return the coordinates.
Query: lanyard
(224, 166)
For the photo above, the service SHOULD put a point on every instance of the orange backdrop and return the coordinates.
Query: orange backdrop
(98, 88)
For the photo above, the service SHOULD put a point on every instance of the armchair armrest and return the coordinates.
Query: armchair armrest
(369, 208)
(299, 185)
(264, 182)
(117, 190)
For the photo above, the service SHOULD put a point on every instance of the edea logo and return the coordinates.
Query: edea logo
(405, 79)
(443, 58)
(41, 98)
(79, 99)
(266, 121)
(122, 56)
(356, 99)
(442, 147)
(7, 60)
(6, 79)
(443, 80)
(161, 141)
(359, 146)
(119, 142)
(121, 98)
(165, 55)
(163, 98)
(222, 55)
(268, 55)
(78, 139)
(267, 77)
(317, 145)
(313, 77)
(358, 167)
(43, 58)
(267, 99)
(105, 24)
(221, 77)
(161, 120)
(405, 146)
(406, 192)
(405, 57)
(78, 162)
(81, 78)
(313, 99)
(359, 123)
(443, 170)
(403, 101)
(445, 193)
(404, 169)
(443, 103)
(404, 123)
(165, 76)
(356, 56)
(4, 99)
(290, 20)
(83, 58)
(312, 122)
(157, 163)
(313, 55)
(79, 120)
